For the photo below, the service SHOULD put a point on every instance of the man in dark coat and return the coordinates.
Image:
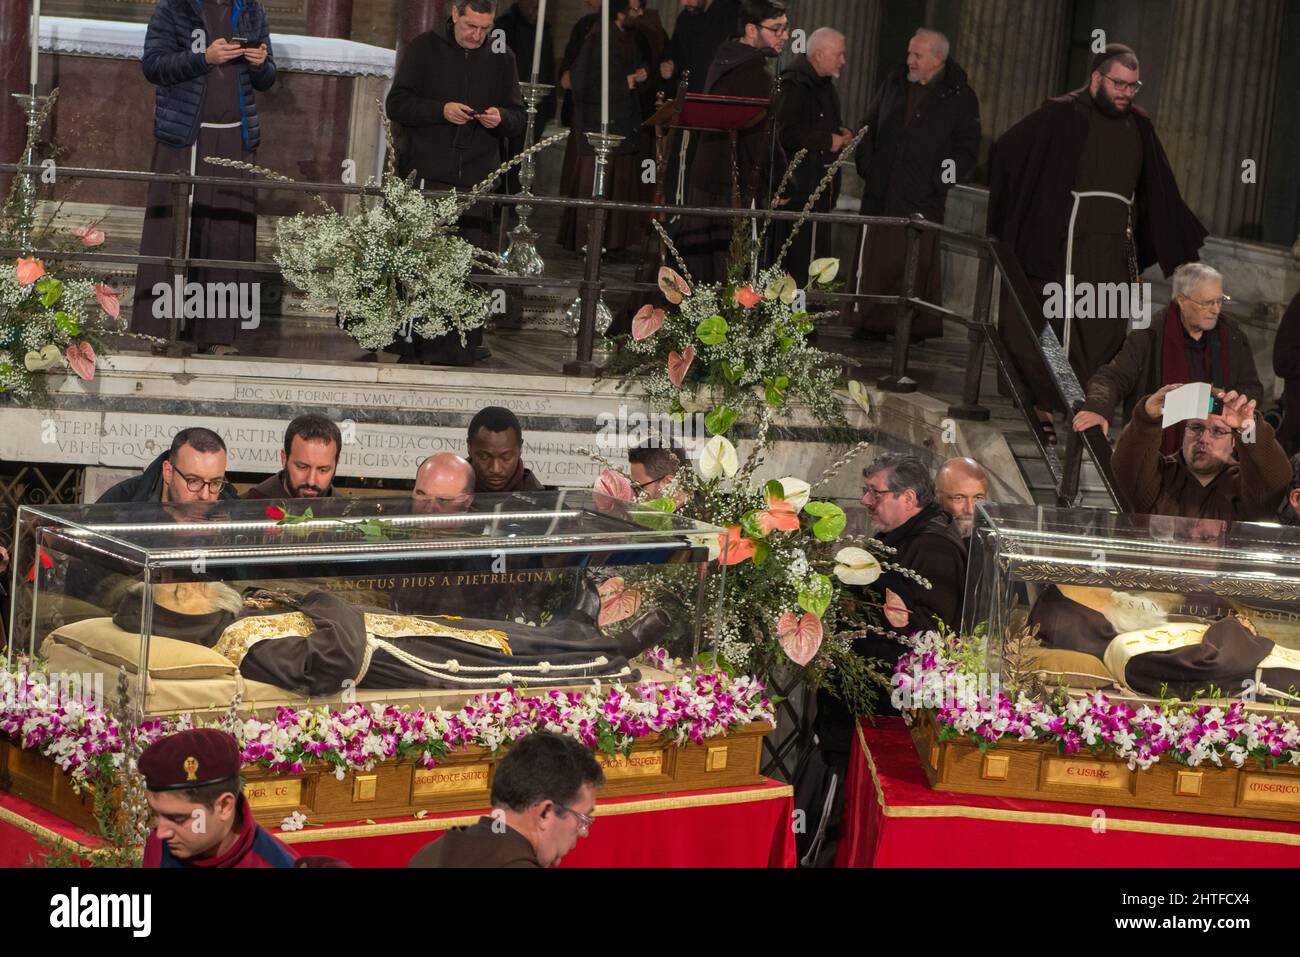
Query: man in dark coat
(192, 470)
(204, 106)
(923, 137)
(739, 69)
(496, 446)
(519, 24)
(457, 101)
(1092, 141)
(1286, 363)
(309, 459)
(1190, 341)
(808, 118)
(543, 799)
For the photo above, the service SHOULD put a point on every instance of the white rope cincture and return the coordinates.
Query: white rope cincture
(434, 669)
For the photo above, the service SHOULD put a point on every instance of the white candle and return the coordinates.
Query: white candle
(604, 66)
(36, 37)
(537, 40)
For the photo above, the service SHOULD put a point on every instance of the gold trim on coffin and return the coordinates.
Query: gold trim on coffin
(62, 841)
(1215, 583)
(748, 796)
(1068, 820)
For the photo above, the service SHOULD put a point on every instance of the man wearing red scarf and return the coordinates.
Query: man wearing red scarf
(1190, 341)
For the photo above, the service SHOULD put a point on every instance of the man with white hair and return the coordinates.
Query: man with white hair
(808, 118)
(924, 137)
(1191, 340)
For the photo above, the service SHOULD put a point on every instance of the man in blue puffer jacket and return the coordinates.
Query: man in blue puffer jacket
(206, 57)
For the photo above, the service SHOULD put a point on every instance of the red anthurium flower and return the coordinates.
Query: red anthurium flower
(747, 297)
(274, 512)
(45, 560)
(108, 299)
(679, 364)
(780, 516)
(29, 270)
(737, 545)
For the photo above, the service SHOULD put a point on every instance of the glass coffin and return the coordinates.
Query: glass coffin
(357, 599)
(1141, 606)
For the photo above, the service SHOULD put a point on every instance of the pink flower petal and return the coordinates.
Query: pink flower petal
(29, 270)
(616, 485)
(646, 322)
(800, 637)
(679, 364)
(617, 602)
(672, 285)
(108, 299)
(81, 357)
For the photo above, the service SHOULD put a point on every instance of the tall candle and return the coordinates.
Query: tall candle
(537, 40)
(36, 37)
(604, 66)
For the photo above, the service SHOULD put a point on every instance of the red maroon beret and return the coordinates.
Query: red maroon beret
(190, 759)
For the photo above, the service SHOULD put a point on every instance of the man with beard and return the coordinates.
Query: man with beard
(1082, 192)
(310, 456)
(808, 118)
(496, 445)
(739, 69)
(1204, 479)
(192, 470)
(458, 101)
(924, 118)
(959, 486)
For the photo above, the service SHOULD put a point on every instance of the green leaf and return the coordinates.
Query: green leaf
(782, 382)
(677, 407)
(66, 324)
(820, 509)
(762, 551)
(816, 596)
(774, 392)
(652, 518)
(830, 527)
(660, 504)
(712, 331)
(749, 524)
(720, 420)
(774, 489)
(785, 343)
(50, 290)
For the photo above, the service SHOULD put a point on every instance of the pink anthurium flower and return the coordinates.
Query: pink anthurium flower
(29, 270)
(646, 322)
(800, 636)
(616, 485)
(108, 299)
(672, 285)
(90, 235)
(679, 364)
(81, 357)
(617, 602)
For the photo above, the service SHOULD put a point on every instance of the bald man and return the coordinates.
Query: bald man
(959, 485)
(444, 483)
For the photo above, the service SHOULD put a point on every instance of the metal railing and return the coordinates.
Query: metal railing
(997, 270)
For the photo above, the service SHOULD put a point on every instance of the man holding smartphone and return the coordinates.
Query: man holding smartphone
(206, 57)
(457, 99)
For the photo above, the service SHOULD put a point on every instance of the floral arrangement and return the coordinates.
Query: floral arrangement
(90, 745)
(738, 346)
(798, 589)
(394, 267)
(942, 669)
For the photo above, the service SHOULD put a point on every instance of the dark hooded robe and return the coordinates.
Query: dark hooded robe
(1066, 146)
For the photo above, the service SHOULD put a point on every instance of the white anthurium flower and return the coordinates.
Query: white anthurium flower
(718, 457)
(858, 393)
(710, 542)
(795, 491)
(824, 271)
(856, 566)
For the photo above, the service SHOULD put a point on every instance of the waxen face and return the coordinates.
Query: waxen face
(887, 509)
(1207, 445)
(1197, 316)
(495, 457)
(191, 465)
(470, 28)
(189, 829)
(1113, 87)
(922, 62)
(309, 467)
(557, 830)
(958, 495)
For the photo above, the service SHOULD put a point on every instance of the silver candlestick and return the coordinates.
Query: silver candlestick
(521, 254)
(34, 107)
(604, 144)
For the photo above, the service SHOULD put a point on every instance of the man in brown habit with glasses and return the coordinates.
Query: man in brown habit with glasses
(1083, 193)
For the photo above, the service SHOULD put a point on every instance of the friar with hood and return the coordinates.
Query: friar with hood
(1082, 192)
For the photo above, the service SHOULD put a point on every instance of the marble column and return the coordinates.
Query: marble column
(15, 16)
(1216, 106)
(1012, 52)
(419, 16)
(329, 18)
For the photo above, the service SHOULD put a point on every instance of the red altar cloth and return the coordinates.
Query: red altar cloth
(725, 827)
(892, 818)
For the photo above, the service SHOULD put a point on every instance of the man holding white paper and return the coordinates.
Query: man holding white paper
(1230, 466)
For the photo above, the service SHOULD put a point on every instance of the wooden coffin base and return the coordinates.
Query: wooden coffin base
(461, 782)
(1038, 771)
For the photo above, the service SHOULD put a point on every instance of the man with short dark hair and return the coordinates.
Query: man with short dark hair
(309, 459)
(543, 801)
(201, 816)
(652, 466)
(192, 470)
(496, 445)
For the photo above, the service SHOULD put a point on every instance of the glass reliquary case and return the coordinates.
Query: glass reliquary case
(359, 600)
(1147, 607)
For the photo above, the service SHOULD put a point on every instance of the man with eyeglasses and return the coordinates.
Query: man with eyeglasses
(738, 69)
(1189, 341)
(444, 485)
(192, 470)
(1205, 479)
(1082, 192)
(543, 803)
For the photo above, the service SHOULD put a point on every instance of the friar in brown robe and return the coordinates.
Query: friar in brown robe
(1091, 141)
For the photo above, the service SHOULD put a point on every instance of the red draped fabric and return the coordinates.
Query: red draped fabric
(725, 827)
(893, 819)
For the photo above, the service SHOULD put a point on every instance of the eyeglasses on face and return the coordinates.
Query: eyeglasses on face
(876, 494)
(1133, 88)
(584, 820)
(1210, 303)
(1201, 428)
(195, 484)
(780, 30)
